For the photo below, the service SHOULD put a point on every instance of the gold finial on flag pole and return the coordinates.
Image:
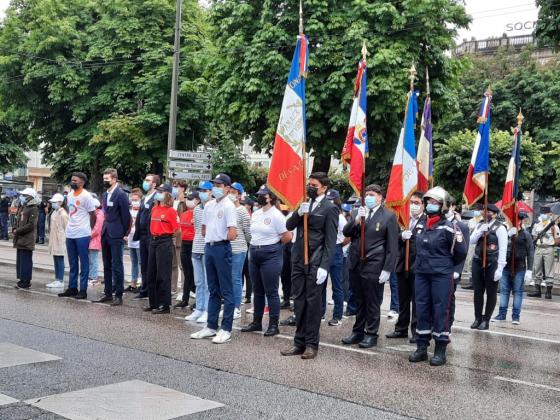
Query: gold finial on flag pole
(412, 76)
(301, 17)
(520, 118)
(427, 82)
(364, 51)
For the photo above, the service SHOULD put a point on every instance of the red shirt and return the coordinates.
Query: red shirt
(187, 226)
(163, 221)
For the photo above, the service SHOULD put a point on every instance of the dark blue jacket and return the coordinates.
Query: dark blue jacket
(117, 214)
(142, 226)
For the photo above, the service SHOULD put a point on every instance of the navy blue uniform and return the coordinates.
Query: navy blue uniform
(440, 250)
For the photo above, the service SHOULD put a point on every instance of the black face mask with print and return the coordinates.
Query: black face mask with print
(312, 192)
(261, 200)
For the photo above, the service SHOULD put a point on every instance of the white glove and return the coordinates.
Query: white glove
(321, 275)
(498, 273)
(406, 235)
(512, 232)
(304, 208)
(384, 276)
(484, 227)
(455, 275)
(361, 213)
(528, 275)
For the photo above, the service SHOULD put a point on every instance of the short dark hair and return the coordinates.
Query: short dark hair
(80, 175)
(322, 177)
(137, 191)
(111, 171)
(155, 178)
(418, 194)
(375, 188)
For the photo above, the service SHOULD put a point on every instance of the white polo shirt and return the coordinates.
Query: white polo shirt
(218, 216)
(341, 224)
(267, 227)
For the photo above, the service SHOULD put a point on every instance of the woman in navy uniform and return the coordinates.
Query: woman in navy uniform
(441, 247)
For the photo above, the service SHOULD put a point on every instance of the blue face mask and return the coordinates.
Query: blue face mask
(146, 186)
(255, 208)
(22, 199)
(432, 208)
(55, 206)
(371, 201)
(175, 192)
(159, 197)
(477, 213)
(203, 196)
(217, 192)
(544, 217)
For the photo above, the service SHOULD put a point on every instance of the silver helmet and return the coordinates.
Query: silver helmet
(440, 195)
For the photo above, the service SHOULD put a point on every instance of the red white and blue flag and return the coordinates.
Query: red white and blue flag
(477, 175)
(425, 150)
(404, 174)
(355, 148)
(286, 177)
(511, 186)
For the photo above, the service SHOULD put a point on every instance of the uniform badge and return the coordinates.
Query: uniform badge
(493, 247)
(267, 221)
(459, 237)
(220, 214)
(377, 226)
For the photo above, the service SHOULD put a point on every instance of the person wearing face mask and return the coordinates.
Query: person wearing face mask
(546, 235)
(115, 228)
(57, 239)
(200, 315)
(142, 230)
(407, 300)
(179, 188)
(486, 279)
(472, 224)
(441, 247)
(369, 274)
(25, 234)
(81, 220)
(134, 246)
(219, 228)
(307, 280)
(452, 214)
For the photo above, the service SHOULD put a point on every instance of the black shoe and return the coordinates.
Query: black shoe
(253, 326)
(475, 324)
(293, 351)
(272, 328)
(468, 287)
(161, 310)
(23, 285)
(439, 358)
(131, 289)
(285, 304)
(70, 292)
(420, 355)
(368, 341)
(349, 313)
(548, 293)
(42, 242)
(181, 304)
(397, 334)
(335, 322)
(247, 300)
(104, 299)
(412, 340)
(140, 296)
(117, 301)
(484, 325)
(289, 322)
(81, 295)
(536, 293)
(148, 309)
(353, 338)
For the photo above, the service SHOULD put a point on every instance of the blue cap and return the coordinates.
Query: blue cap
(263, 190)
(205, 185)
(222, 179)
(346, 207)
(237, 186)
(332, 194)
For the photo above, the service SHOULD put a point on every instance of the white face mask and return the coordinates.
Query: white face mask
(415, 209)
(232, 197)
(190, 204)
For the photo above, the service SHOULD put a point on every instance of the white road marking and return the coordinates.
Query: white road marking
(544, 340)
(518, 381)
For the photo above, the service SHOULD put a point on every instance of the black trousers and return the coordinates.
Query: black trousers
(407, 303)
(286, 273)
(160, 263)
(483, 281)
(24, 265)
(369, 297)
(452, 306)
(307, 306)
(247, 277)
(186, 265)
(144, 256)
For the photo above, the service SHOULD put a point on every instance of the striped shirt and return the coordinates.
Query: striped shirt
(198, 242)
(243, 231)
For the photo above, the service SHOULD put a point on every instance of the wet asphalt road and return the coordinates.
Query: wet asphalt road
(508, 372)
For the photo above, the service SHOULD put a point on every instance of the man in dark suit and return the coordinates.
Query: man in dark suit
(116, 226)
(369, 274)
(307, 280)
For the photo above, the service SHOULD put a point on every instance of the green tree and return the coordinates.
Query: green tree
(548, 24)
(453, 155)
(255, 41)
(12, 154)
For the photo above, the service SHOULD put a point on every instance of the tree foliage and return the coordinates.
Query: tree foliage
(548, 24)
(12, 154)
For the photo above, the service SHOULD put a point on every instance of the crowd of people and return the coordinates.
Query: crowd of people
(220, 239)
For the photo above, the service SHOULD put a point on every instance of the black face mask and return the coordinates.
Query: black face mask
(312, 192)
(73, 185)
(261, 200)
(106, 184)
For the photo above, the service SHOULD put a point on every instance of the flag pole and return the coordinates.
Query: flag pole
(485, 236)
(407, 242)
(431, 146)
(515, 220)
(363, 189)
(304, 159)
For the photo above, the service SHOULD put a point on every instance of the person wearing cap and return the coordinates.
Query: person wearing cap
(142, 229)
(81, 220)
(219, 228)
(268, 232)
(200, 315)
(95, 242)
(517, 270)
(186, 223)
(57, 239)
(486, 279)
(546, 235)
(308, 279)
(239, 245)
(369, 274)
(163, 225)
(25, 233)
(116, 227)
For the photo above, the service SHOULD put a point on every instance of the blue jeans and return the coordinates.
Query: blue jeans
(237, 261)
(393, 282)
(199, 270)
(58, 267)
(135, 263)
(508, 285)
(217, 259)
(41, 221)
(265, 266)
(3, 225)
(77, 249)
(113, 267)
(93, 263)
(335, 274)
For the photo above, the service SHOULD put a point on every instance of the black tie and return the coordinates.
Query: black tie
(369, 216)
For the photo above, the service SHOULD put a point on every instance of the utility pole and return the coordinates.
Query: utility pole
(172, 135)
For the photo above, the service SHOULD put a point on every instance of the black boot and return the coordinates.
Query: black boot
(439, 358)
(181, 304)
(272, 327)
(484, 325)
(70, 292)
(420, 355)
(476, 323)
(548, 293)
(536, 293)
(256, 325)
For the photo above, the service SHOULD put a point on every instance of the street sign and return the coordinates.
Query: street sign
(185, 164)
(191, 176)
(185, 155)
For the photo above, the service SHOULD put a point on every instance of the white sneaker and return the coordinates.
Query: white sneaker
(250, 310)
(194, 316)
(193, 295)
(203, 333)
(203, 318)
(236, 313)
(515, 322)
(222, 337)
(331, 302)
(179, 297)
(57, 284)
(392, 314)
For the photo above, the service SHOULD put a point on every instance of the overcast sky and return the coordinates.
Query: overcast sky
(490, 17)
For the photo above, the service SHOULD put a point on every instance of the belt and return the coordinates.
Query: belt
(264, 246)
(216, 243)
(161, 237)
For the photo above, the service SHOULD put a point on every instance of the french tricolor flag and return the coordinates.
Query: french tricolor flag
(425, 151)
(477, 175)
(511, 186)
